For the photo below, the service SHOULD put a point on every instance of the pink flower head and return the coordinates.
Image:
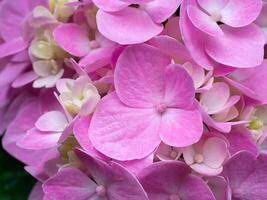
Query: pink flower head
(171, 180)
(144, 20)
(246, 176)
(207, 156)
(232, 47)
(156, 97)
(108, 181)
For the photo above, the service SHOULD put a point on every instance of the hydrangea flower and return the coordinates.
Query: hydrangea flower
(156, 96)
(171, 180)
(106, 182)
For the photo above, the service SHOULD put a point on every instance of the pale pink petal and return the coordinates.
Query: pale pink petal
(206, 170)
(160, 11)
(137, 1)
(35, 140)
(110, 5)
(71, 184)
(179, 87)
(177, 128)
(52, 121)
(203, 22)
(238, 47)
(189, 154)
(73, 39)
(128, 22)
(139, 76)
(212, 6)
(215, 152)
(113, 135)
(239, 13)
(214, 100)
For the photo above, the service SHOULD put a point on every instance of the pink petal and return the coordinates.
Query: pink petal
(139, 76)
(238, 47)
(73, 39)
(12, 47)
(212, 6)
(177, 128)
(160, 11)
(110, 5)
(128, 22)
(215, 152)
(171, 47)
(136, 1)
(193, 38)
(71, 184)
(179, 87)
(239, 13)
(112, 135)
(52, 121)
(96, 59)
(35, 140)
(37, 192)
(24, 79)
(203, 22)
(240, 139)
(214, 100)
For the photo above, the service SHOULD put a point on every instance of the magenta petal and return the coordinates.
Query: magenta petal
(238, 47)
(203, 22)
(137, 1)
(139, 76)
(35, 139)
(71, 184)
(160, 11)
(110, 5)
(12, 47)
(170, 180)
(73, 39)
(200, 192)
(177, 128)
(113, 135)
(128, 22)
(246, 175)
(179, 87)
(250, 85)
(239, 13)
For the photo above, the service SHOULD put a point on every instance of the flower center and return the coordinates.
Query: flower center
(161, 108)
(216, 17)
(255, 124)
(173, 154)
(198, 158)
(101, 191)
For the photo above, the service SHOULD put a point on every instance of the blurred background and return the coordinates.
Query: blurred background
(15, 183)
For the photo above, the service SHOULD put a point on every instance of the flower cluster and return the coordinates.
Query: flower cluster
(136, 99)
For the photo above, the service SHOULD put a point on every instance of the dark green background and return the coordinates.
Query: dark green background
(15, 183)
